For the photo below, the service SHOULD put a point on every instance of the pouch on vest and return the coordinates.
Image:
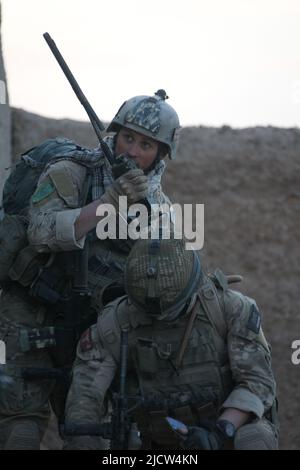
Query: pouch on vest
(36, 338)
(146, 353)
(13, 238)
(27, 266)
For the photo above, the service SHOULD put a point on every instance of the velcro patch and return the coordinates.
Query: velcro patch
(86, 342)
(43, 191)
(63, 182)
(254, 320)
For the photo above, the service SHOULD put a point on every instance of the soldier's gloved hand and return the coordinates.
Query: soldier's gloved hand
(133, 184)
(204, 438)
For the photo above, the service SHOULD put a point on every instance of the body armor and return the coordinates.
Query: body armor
(192, 390)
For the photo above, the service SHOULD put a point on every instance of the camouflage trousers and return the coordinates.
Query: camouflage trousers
(24, 404)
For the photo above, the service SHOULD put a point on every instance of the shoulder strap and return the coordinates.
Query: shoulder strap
(109, 327)
(187, 333)
(211, 303)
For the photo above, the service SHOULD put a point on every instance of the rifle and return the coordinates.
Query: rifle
(120, 419)
(69, 312)
(118, 429)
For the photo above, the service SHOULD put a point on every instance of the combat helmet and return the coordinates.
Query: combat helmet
(151, 116)
(161, 276)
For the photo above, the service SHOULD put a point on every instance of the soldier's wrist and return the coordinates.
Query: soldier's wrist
(110, 197)
(226, 429)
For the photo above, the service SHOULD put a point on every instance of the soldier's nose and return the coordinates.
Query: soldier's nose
(134, 151)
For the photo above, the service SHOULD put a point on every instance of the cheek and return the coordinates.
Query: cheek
(121, 147)
(147, 159)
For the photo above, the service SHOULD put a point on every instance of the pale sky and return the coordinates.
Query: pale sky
(234, 62)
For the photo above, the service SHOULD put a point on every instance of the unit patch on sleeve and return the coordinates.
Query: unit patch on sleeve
(254, 319)
(86, 342)
(44, 190)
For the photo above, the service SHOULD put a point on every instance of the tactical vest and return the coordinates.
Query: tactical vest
(190, 389)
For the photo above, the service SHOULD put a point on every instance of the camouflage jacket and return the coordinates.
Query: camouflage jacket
(56, 203)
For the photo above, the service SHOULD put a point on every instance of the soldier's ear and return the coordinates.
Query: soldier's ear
(163, 151)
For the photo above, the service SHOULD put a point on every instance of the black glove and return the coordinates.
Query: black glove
(202, 439)
(209, 436)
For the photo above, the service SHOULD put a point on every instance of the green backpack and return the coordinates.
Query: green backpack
(18, 190)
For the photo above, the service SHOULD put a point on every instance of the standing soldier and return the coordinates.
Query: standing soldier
(37, 311)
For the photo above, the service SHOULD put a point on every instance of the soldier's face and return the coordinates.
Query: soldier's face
(141, 149)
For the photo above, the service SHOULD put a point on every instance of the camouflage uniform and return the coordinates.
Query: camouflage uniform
(55, 206)
(226, 364)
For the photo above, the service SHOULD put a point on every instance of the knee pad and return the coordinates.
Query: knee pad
(24, 435)
(259, 435)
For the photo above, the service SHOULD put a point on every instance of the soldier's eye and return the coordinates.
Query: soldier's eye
(146, 145)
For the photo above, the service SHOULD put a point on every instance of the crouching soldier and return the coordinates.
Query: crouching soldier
(196, 353)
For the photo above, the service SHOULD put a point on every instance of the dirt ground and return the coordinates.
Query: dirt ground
(249, 182)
